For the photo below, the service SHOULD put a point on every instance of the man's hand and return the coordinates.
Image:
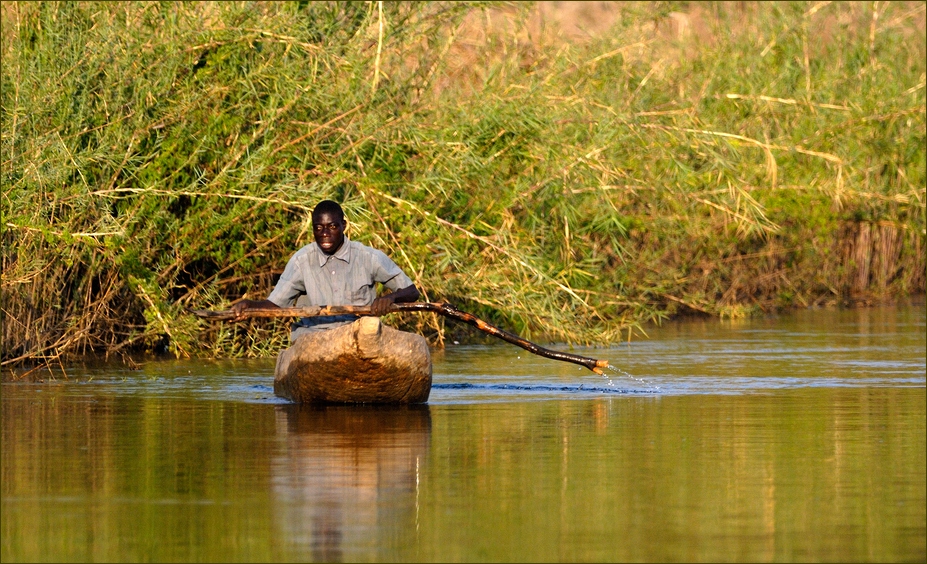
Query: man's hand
(241, 305)
(381, 305)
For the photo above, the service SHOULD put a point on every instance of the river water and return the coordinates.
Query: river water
(798, 437)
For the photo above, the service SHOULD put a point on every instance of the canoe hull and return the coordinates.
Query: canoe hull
(364, 362)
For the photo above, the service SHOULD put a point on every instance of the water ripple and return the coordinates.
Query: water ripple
(539, 388)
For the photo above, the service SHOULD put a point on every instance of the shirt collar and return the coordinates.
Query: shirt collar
(343, 254)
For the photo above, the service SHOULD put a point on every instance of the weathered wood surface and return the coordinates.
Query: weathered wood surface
(364, 362)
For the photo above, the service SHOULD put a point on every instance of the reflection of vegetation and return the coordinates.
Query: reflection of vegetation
(176, 478)
(161, 156)
(747, 472)
(148, 470)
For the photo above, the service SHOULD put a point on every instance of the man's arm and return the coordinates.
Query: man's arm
(381, 305)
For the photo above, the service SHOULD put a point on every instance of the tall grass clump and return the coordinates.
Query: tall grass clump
(711, 157)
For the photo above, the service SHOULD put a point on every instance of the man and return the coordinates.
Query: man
(335, 271)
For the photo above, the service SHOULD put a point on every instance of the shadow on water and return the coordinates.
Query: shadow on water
(347, 477)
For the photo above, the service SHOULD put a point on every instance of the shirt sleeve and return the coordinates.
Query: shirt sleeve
(290, 285)
(388, 273)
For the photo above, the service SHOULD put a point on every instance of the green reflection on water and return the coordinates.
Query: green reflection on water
(814, 474)
(801, 475)
(129, 479)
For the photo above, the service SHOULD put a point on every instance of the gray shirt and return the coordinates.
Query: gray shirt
(348, 277)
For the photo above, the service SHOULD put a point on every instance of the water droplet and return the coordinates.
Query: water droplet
(625, 374)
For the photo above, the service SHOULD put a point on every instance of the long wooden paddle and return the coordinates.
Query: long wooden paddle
(445, 309)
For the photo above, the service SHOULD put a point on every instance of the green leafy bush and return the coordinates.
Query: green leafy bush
(164, 156)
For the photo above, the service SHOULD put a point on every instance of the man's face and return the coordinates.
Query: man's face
(328, 230)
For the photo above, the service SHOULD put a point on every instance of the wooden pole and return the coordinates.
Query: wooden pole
(444, 309)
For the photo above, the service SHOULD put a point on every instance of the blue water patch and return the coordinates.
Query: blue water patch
(538, 388)
(251, 389)
(254, 393)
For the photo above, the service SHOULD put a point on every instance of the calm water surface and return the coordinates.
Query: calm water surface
(794, 438)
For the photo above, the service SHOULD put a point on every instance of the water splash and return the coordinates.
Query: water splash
(618, 372)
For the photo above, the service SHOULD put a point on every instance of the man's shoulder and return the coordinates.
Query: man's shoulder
(364, 250)
(371, 258)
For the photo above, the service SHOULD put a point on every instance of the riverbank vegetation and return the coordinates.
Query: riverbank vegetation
(568, 171)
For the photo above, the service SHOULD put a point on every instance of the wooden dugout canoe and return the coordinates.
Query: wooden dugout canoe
(363, 362)
(446, 309)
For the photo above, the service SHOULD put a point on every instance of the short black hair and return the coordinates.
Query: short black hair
(328, 206)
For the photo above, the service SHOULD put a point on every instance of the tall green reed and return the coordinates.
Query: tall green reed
(165, 156)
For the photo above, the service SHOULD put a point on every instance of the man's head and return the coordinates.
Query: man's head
(328, 225)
